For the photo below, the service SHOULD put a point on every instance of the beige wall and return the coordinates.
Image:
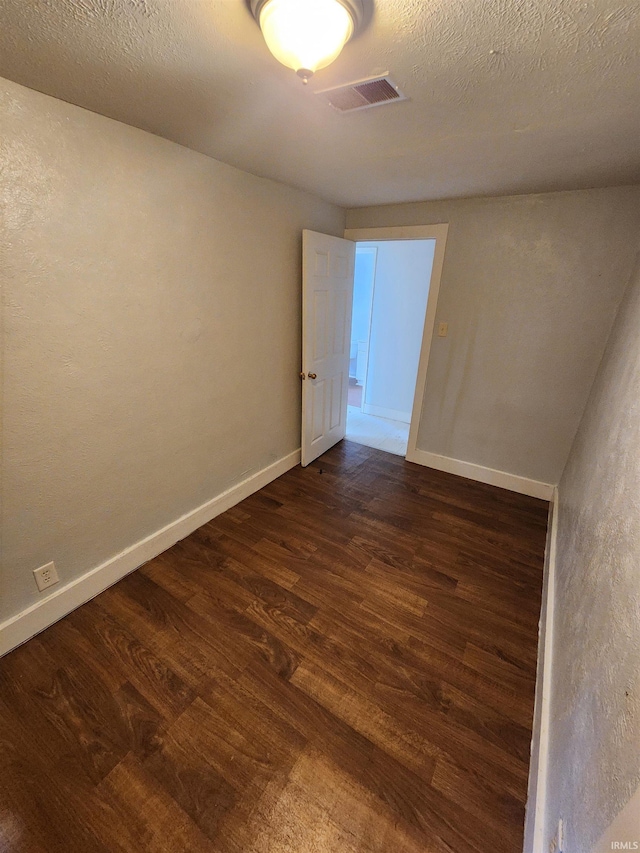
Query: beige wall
(530, 287)
(151, 332)
(594, 763)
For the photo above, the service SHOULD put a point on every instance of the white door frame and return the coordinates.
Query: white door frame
(414, 232)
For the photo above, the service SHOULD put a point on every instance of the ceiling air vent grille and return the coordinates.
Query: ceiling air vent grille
(362, 95)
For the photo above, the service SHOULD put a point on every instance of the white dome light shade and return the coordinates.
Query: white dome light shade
(306, 35)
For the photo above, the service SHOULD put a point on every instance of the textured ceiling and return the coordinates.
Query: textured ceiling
(507, 96)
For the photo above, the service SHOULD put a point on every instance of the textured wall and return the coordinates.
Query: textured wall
(152, 332)
(595, 711)
(530, 287)
(624, 829)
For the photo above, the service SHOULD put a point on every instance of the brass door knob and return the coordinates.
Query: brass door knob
(313, 376)
(302, 376)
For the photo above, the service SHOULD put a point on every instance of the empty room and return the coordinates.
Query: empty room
(304, 549)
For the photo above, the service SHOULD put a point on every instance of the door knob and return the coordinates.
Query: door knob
(313, 375)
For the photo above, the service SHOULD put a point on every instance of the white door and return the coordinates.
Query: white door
(327, 295)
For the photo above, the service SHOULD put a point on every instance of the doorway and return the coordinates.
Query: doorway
(327, 295)
(390, 295)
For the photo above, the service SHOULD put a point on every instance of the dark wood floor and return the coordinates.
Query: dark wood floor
(343, 662)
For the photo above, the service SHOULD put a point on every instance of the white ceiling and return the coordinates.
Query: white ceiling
(507, 96)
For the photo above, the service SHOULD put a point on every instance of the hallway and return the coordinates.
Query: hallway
(379, 433)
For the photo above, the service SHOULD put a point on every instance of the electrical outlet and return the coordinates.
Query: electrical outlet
(46, 576)
(556, 845)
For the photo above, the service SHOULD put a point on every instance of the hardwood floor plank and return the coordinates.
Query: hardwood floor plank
(253, 560)
(148, 812)
(473, 792)
(493, 727)
(252, 633)
(39, 813)
(189, 778)
(147, 672)
(415, 751)
(499, 669)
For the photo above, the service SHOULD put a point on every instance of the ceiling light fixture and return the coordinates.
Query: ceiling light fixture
(307, 35)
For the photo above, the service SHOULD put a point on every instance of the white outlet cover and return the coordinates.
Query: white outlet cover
(46, 576)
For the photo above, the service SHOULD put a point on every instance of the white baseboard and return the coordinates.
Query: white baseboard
(21, 627)
(513, 482)
(389, 414)
(535, 840)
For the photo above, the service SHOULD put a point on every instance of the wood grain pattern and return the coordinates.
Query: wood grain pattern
(344, 662)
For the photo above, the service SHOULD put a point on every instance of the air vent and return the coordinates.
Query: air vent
(362, 95)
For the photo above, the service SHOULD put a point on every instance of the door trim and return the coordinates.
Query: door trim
(438, 233)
